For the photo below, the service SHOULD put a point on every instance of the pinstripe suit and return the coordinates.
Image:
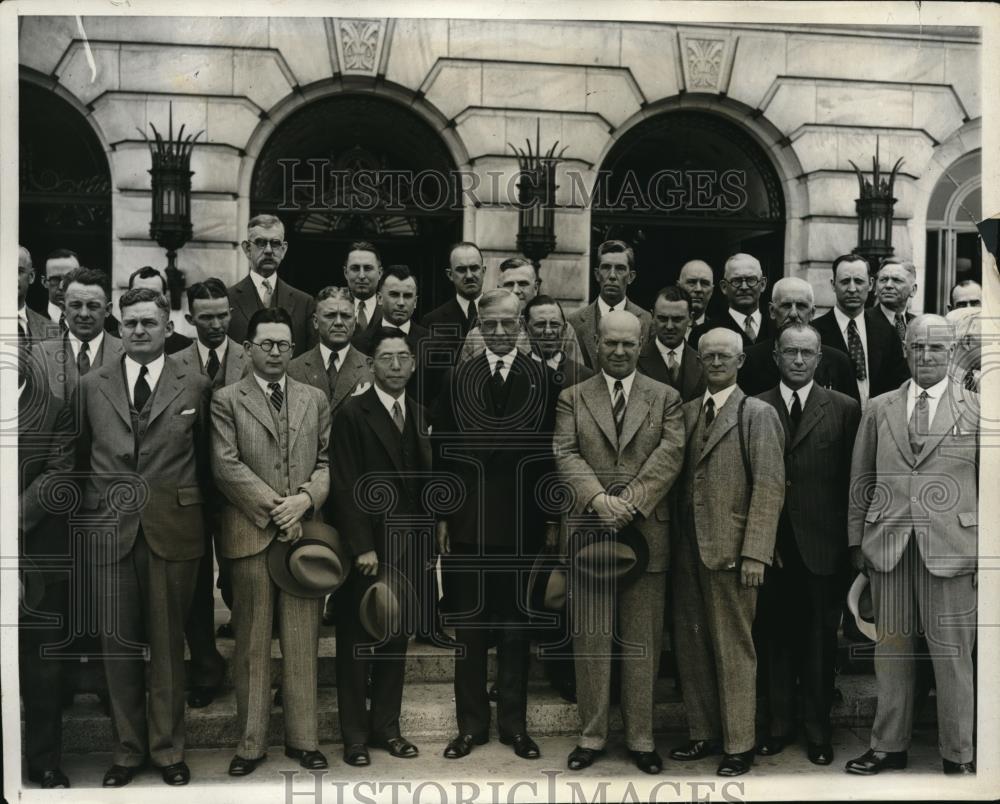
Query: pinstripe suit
(251, 473)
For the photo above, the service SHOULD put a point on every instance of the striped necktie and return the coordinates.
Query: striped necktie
(618, 406)
(277, 397)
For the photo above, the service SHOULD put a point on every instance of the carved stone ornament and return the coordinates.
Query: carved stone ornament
(704, 58)
(360, 44)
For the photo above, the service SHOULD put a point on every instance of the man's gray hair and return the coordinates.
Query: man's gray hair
(492, 298)
(331, 292)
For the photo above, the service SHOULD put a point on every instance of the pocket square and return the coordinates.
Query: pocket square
(187, 412)
(360, 388)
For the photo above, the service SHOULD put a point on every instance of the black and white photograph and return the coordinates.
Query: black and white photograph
(499, 402)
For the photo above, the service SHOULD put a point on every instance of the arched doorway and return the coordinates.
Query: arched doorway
(689, 185)
(351, 135)
(65, 185)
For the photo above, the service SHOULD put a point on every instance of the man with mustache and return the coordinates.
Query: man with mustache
(742, 285)
(698, 280)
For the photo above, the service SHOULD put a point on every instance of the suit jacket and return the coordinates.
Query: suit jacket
(647, 459)
(60, 365)
(569, 373)
(39, 326)
(759, 372)
(732, 520)
(362, 337)
(244, 446)
(767, 330)
(176, 343)
(233, 368)
(448, 318)
(366, 443)
(691, 380)
(474, 345)
(352, 376)
(448, 327)
(585, 320)
(818, 476)
(934, 494)
(171, 461)
(300, 306)
(886, 365)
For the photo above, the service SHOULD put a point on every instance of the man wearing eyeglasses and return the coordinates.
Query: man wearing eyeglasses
(742, 285)
(269, 459)
(265, 248)
(546, 327)
(615, 271)
(800, 601)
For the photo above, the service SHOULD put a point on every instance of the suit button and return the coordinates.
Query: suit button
(788, 482)
(913, 499)
(277, 466)
(913, 472)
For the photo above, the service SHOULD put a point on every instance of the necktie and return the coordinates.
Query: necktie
(362, 316)
(213, 363)
(332, 371)
(901, 326)
(795, 415)
(611, 308)
(856, 350)
(971, 380)
(749, 330)
(618, 407)
(672, 367)
(919, 423)
(498, 375)
(473, 317)
(62, 324)
(22, 330)
(709, 412)
(140, 394)
(277, 397)
(397, 416)
(83, 359)
(265, 286)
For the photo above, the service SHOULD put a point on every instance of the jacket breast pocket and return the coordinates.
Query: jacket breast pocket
(968, 520)
(189, 495)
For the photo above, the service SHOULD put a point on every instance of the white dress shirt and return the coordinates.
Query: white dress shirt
(93, 345)
(132, 375)
(605, 308)
(741, 320)
(325, 352)
(719, 397)
(934, 394)
(220, 352)
(55, 312)
(507, 362)
(257, 279)
(665, 351)
(369, 305)
(464, 302)
(264, 383)
(388, 401)
(786, 394)
(842, 321)
(626, 385)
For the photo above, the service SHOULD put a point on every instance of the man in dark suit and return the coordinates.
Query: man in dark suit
(792, 302)
(381, 433)
(145, 416)
(546, 328)
(44, 451)
(265, 248)
(801, 599)
(615, 271)
(30, 325)
(666, 357)
(492, 431)
(149, 277)
(363, 273)
(460, 313)
(698, 279)
(57, 264)
(895, 286)
(863, 335)
(742, 285)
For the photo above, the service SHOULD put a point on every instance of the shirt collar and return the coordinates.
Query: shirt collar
(843, 319)
(153, 371)
(741, 318)
(55, 311)
(891, 315)
(626, 383)
(464, 303)
(93, 345)
(665, 350)
(220, 351)
(369, 305)
(605, 308)
(936, 391)
(272, 280)
(264, 383)
(719, 397)
(803, 392)
(388, 400)
(325, 352)
(508, 359)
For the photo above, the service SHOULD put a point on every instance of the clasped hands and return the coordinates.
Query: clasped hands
(287, 514)
(612, 510)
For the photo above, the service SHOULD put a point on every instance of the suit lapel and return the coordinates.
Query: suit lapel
(898, 422)
(691, 412)
(590, 319)
(690, 372)
(383, 427)
(635, 412)
(596, 397)
(943, 424)
(234, 362)
(725, 420)
(256, 403)
(773, 397)
(113, 387)
(874, 347)
(283, 296)
(168, 388)
(418, 415)
(348, 376)
(297, 403)
(811, 414)
(246, 297)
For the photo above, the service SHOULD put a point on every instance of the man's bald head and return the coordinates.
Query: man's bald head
(25, 274)
(619, 335)
(721, 352)
(930, 342)
(698, 280)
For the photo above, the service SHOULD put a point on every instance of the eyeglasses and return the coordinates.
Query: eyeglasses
(262, 244)
(267, 346)
(794, 354)
(491, 324)
(388, 360)
(743, 281)
(52, 281)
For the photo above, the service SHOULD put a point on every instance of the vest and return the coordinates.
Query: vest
(281, 425)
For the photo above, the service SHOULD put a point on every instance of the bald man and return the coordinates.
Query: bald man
(30, 325)
(698, 280)
(792, 302)
(742, 285)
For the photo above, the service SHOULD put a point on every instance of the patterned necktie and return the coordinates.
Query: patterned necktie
(277, 397)
(140, 394)
(709, 412)
(919, 423)
(397, 416)
(856, 350)
(362, 316)
(332, 371)
(901, 326)
(749, 330)
(265, 286)
(213, 363)
(83, 360)
(618, 407)
(795, 415)
(971, 380)
(672, 366)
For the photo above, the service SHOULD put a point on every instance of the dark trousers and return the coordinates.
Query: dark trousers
(42, 677)
(207, 668)
(797, 619)
(490, 597)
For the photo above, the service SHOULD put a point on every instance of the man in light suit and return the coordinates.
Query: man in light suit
(363, 274)
(269, 459)
(729, 509)
(615, 271)
(31, 325)
(265, 248)
(620, 428)
(145, 417)
(801, 599)
(86, 345)
(919, 554)
(666, 357)
(149, 277)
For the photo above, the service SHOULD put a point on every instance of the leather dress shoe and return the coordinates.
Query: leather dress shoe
(872, 762)
(696, 749)
(177, 774)
(118, 776)
(310, 760)
(770, 746)
(49, 779)
(580, 758)
(524, 746)
(399, 747)
(950, 767)
(647, 761)
(225, 631)
(200, 697)
(356, 754)
(735, 764)
(820, 753)
(240, 766)
(461, 746)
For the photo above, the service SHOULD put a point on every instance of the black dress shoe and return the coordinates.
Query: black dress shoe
(696, 749)
(240, 766)
(580, 758)
(770, 746)
(524, 746)
(461, 746)
(647, 761)
(177, 774)
(225, 631)
(399, 747)
(949, 767)
(438, 639)
(735, 764)
(118, 776)
(820, 753)
(872, 762)
(50, 779)
(310, 760)
(200, 697)
(356, 754)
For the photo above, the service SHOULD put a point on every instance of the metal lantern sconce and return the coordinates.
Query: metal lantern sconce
(536, 229)
(874, 209)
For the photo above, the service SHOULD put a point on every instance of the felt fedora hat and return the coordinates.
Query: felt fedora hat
(599, 552)
(388, 605)
(313, 566)
(547, 583)
(859, 603)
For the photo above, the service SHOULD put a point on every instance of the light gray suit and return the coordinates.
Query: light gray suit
(251, 470)
(234, 367)
(309, 368)
(646, 459)
(919, 532)
(585, 320)
(60, 365)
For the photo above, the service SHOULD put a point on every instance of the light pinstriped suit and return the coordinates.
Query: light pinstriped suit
(249, 471)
